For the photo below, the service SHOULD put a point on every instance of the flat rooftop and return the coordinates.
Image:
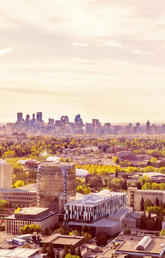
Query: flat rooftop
(153, 174)
(56, 164)
(18, 252)
(58, 239)
(156, 246)
(107, 253)
(95, 198)
(3, 162)
(32, 211)
(28, 187)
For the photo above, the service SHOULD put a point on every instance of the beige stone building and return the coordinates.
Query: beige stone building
(135, 197)
(18, 197)
(5, 175)
(56, 183)
(31, 215)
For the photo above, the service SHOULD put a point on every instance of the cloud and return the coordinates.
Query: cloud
(5, 51)
(139, 52)
(112, 44)
(136, 51)
(79, 44)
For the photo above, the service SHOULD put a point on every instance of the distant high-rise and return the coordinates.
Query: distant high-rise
(65, 119)
(5, 175)
(39, 116)
(19, 117)
(33, 117)
(78, 120)
(27, 117)
(56, 182)
(148, 127)
(95, 123)
(51, 122)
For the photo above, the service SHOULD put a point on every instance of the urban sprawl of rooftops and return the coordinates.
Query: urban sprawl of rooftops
(63, 126)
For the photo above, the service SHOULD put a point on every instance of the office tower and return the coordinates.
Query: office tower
(27, 120)
(51, 122)
(65, 119)
(5, 175)
(96, 125)
(39, 116)
(148, 127)
(27, 117)
(19, 117)
(56, 182)
(78, 120)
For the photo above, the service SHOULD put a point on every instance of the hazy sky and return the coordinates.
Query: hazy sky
(100, 58)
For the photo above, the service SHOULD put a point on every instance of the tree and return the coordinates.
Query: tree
(17, 210)
(87, 236)
(71, 256)
(44, 249)
(125, 185)
(116, 159)
(29, 229)
(147, 203)
(19, 183)
(138, 185)
(157, 202)
(79, 252)
(162, 232)
(65, 252)
(117, 173)
(127, 231)
(4, 204)
(142, 204)
(72, 250)
(101, 239)
(51, 251)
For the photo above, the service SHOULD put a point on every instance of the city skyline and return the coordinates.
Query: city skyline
(101, 59)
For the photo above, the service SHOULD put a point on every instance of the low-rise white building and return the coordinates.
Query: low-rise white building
(94, 206)
(102, 211)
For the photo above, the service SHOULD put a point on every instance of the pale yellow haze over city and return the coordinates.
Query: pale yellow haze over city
(100, 58)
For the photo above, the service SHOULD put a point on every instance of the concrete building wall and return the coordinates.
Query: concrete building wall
(135, 196)
(18, 198)
(57, 181)
(13, 225)
(5, 175)
(111, 231)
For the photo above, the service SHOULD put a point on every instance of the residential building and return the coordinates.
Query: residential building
(5, 175)
(31, 215)
(136, 197)
(56, 182)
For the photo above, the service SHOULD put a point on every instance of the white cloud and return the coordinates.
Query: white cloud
(79, 44)
(5, 51)
(139, 52)
(136, 51)
(112, 44)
